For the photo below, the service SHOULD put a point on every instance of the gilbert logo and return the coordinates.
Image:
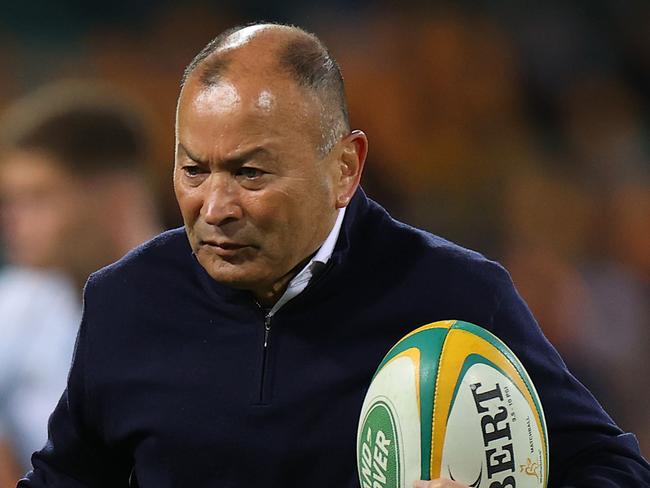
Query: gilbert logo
(530, 468)
(497, 437)
(379, 453)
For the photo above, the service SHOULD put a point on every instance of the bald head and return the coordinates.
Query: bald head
(275, 50)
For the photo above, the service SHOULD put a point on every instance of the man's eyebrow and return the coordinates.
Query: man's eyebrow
(239, 158)
(189, 154)
(234, 159)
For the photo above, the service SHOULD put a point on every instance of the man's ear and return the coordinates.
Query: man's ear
(351, 161)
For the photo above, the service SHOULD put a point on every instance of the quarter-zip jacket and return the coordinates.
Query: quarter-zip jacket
(180, 381)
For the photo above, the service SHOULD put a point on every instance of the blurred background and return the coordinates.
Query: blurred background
(519, 129)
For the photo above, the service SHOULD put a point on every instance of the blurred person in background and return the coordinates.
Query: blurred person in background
(74, 198)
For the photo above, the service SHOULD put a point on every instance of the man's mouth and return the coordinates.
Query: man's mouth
(223, 248)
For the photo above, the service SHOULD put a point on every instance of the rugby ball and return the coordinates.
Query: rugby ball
(450, 400)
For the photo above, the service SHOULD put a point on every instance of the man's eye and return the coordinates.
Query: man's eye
(192, 170)
(249, 173)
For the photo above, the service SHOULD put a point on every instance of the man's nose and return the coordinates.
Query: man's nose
(221, 203)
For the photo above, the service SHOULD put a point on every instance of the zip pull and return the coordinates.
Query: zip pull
(267, 329)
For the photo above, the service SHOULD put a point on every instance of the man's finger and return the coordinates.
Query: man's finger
(439, 483)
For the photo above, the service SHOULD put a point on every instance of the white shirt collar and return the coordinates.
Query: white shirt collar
(325, 252)
(302, 279)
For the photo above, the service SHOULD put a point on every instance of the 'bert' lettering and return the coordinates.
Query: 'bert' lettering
(480, 398)
(495, 428)
(509, 482)
(490, 426)
(496, 463)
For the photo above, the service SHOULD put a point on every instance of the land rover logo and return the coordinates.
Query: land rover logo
(378, 454)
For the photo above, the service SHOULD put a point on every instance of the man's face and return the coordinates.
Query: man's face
(255, 195)
(41, 209)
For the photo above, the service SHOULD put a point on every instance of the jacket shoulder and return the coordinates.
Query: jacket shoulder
(152, 260)
(428, 275)
(423, 252)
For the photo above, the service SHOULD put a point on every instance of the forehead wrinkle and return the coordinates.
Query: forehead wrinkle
(240, 156)
(260, 99)
(236, 156)
(180, 148)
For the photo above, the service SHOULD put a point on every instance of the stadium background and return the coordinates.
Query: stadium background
(519, 129)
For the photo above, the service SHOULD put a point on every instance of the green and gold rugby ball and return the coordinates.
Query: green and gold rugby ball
(450, 400)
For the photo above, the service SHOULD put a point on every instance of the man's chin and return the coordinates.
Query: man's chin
(248, 276)
(235, 275)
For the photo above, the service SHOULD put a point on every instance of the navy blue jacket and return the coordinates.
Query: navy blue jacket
(171, 385)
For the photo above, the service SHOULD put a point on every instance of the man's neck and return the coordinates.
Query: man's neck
(268, 296)
(295, 281)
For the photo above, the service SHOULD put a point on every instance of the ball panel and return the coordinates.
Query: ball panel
(461, 349)
(414, 355)
(507, 352)
(490, 433)
(523, 375)
(462, 457)
(394, 387)
(440, 324)
(429, 340)
(429, 337)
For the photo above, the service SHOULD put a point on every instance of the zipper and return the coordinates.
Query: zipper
(267, 329)
(262, 396)
(263, 393)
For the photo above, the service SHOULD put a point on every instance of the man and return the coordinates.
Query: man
(74, 199)
(237, 353)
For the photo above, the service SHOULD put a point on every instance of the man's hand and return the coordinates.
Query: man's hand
(439, 483)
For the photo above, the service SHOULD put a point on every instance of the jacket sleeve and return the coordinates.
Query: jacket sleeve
(74, 455)
(587, 449)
